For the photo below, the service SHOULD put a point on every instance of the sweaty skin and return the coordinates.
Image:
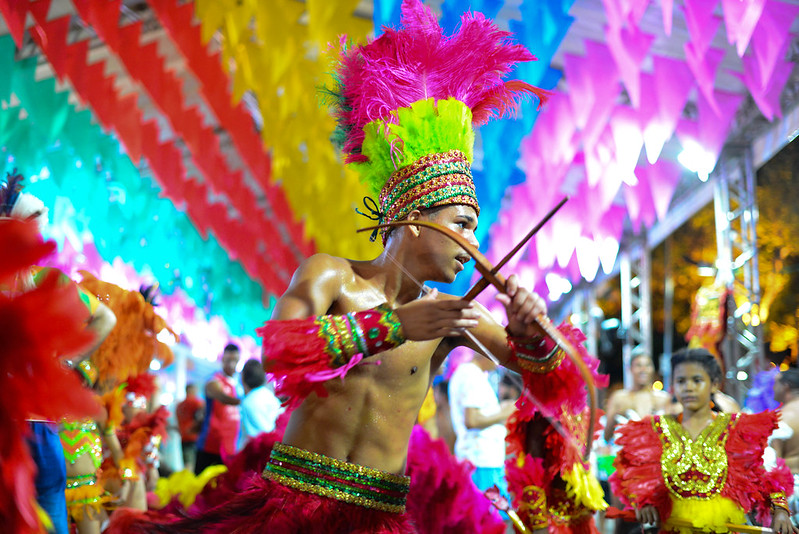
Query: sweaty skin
(368, 417)
(788, 449)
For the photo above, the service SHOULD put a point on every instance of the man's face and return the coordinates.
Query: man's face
(442, 254)
(643, 370)
(230, 359)
(191, 391)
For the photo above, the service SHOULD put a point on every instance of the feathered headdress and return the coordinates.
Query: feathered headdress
(133, 342)
(139, 389)
(18, 205)
(407, 102)
(9, 192)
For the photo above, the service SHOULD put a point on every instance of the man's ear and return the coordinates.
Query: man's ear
(415, 215)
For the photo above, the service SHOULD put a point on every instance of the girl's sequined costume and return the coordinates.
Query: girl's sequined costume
(716, 478)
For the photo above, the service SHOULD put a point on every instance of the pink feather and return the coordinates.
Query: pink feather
(419, 62)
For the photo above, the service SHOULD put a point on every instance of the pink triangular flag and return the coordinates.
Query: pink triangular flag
(629, 47)
(704, 67)
(702, 25)
(581, 93)
(663, 178)
(667, 11)
(628, 139)
(770, 37)
(740, 19)
(767, 98)
(587, 254)
(714, 126)
(603, 78)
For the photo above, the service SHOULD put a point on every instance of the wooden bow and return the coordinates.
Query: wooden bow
(494, 278)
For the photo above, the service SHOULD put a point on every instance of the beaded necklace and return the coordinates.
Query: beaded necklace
(693, 468)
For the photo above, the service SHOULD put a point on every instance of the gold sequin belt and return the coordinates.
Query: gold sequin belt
(328, 477)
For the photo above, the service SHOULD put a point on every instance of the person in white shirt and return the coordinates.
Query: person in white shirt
(478, 418)
(259, 408)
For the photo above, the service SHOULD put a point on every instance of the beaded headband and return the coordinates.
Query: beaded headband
(433, 180)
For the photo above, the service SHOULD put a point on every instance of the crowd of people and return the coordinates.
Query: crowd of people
(352, 350)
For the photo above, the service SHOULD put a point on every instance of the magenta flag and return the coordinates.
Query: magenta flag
(702, 24)
(740, 19)
(767, 98)
(704, 67)
(629, 46)
(662, 178)
(771, 37)
(667, 11)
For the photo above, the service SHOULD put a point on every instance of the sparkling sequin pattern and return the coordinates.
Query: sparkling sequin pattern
(528, 354)
(533, 507)
(79, 438)
(335, 479)
(694, 469)
(367, 332)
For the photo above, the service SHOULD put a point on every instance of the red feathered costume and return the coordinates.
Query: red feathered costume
(38, 326)
(419, 93)
(549, 481)
(708, 481)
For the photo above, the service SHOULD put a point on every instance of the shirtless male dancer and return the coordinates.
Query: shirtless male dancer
(354, 345)
(639, 401)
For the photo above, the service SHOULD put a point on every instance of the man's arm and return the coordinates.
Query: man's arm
(473, 418)
(522, 307)
(314, 288)
(610, 417)
(213, 390)
(101, 322)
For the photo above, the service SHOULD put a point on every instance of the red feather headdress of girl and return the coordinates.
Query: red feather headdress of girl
(408, 101)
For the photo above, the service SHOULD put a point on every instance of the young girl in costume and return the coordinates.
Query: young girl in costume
(140, 435)
(701, 469)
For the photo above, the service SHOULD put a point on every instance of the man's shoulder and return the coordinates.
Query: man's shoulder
(323, 268)
(326, 262)
(789, 413)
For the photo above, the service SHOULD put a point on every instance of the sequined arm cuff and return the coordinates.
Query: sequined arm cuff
(366, 332)
(778, 500)
(300, 354)
(536, 354)
(127, 469)
(533, 508)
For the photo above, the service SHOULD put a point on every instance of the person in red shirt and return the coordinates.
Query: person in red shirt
(221, 425)
(190, 413)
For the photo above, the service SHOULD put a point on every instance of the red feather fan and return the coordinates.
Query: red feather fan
(38, 326)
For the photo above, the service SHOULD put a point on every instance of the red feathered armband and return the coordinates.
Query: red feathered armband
(303, 353)
(553, 383)
(536, 354)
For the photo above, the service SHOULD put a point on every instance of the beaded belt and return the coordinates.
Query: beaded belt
(327, 477)
(80, 481)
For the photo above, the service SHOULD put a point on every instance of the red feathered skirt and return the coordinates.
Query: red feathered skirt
(315, 503)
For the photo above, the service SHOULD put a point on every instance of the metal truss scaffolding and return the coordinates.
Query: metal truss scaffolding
(736, 237)
(585, 316)
(636, 303)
